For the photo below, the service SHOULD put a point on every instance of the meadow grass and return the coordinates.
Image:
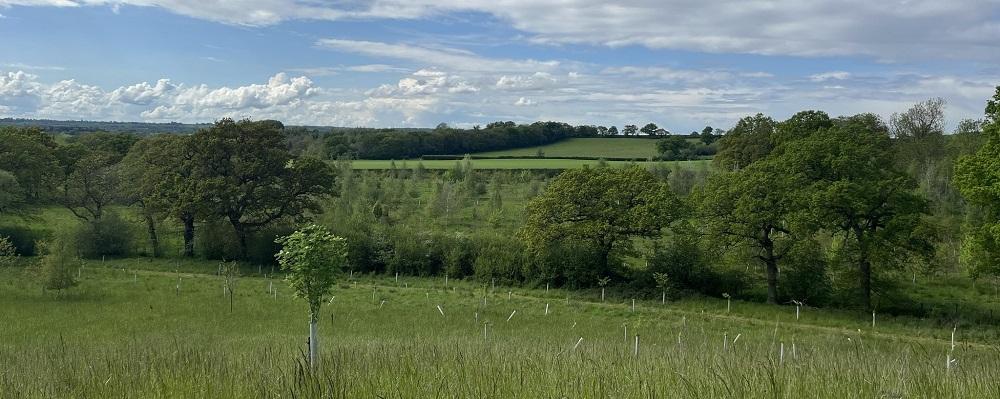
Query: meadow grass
(129, 331)
(598, 147)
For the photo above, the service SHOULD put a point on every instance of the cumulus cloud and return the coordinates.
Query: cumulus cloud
(536, 81)
(425, 82)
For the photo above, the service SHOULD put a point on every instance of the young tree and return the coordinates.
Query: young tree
(245, 174)
(853, 189)
(978, 178)
(312, 256)
(604, 207)
(57, 266)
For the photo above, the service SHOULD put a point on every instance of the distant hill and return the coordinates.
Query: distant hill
(78, 127)
(146, 128)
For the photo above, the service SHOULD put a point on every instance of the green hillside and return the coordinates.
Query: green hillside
(617, 147)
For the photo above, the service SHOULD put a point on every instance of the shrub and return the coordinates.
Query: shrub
(804, 277)
(59, 263)
(8, 254)
(215, 239)
(23, 239)
(109, 236)
(501, 258)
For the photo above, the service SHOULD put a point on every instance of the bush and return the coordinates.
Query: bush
(59, 263)
(109, 236)
(501, 258)
(573, 264)
(687, 267)
(803, 277)
(215, 239)
(8, 254)
(23, 239)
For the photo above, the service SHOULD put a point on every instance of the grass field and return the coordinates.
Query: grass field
(135, 328)
(507, 163)
(587, 147)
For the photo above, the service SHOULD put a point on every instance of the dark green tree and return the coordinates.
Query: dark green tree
(603, 207)
(246, 175)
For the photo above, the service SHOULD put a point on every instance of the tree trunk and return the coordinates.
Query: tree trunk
(865, 272)
(241, 235)
(188, 235)
(771, 265)
(154, 242)
(772, 280)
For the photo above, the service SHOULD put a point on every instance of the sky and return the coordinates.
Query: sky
(682, 64)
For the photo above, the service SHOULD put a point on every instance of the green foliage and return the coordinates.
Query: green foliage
(110, 235)
(978, 178)
(57, 268)
(675, 148)
(750, 140)
(8, 253)
(23, 238)
(313, 257)
(245, 174)
(501, 258)
(604, 206)
(29, 154)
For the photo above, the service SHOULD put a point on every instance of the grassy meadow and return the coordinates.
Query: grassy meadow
(597, 147)
(136, 328)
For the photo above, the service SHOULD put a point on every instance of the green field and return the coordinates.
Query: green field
(526, 163)
(587, 147)
(134, 328)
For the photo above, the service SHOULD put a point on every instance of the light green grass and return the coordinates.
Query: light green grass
(587, 147)
(128, 333)
(526, 163)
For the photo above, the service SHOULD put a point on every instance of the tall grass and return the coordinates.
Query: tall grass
(121, 336)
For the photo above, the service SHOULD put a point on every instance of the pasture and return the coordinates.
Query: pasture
(596, 147)
(138, 328)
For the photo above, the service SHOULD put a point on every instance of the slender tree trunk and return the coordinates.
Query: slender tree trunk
(154, 242)
(188, 235)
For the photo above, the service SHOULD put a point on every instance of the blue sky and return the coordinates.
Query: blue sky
(682, 64)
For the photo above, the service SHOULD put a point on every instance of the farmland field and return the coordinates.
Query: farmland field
(525, 163)
(587, 147)
(135, 328)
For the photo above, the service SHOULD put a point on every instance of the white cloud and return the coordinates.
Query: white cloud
(536, 81)
(524, 102)
(143, 93)
(20, 65)
(454, 59)
(889, 30)
(425, 82)
(825, 76)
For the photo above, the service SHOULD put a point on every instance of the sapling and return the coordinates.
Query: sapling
(231, 271)
(546, 309)
(603, 281)
(312, 256)
(728, 301)
(797, 305)
(636, 353)
(662, 282)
